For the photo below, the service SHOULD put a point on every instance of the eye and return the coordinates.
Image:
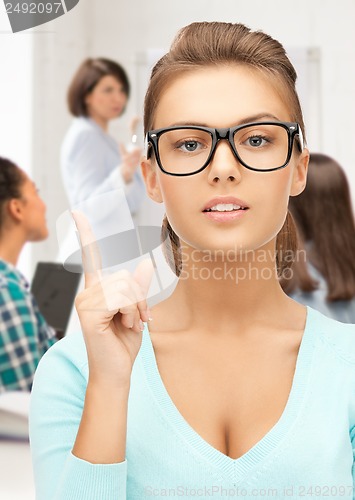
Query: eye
(257, 141)
(189, 146)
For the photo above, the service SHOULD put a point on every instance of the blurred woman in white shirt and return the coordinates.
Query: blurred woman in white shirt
(92, 162)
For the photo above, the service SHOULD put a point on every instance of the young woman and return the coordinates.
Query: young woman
(326, 222)
(233, 389)
(24, 334)
(92, 162)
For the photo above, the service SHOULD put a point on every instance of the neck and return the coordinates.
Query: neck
(10, 247)
(229, 291)
(102, 123)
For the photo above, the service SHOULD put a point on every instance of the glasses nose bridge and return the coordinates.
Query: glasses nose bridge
(223, 134)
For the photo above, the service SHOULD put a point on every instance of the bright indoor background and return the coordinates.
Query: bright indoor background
(37, 65)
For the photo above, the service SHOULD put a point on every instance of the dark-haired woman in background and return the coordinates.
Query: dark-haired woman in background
(92, 162)
(24, 334)
(325, 221)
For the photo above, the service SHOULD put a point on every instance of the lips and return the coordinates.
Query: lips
(225, 200)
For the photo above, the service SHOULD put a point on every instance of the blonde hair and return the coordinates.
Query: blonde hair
(204, 44)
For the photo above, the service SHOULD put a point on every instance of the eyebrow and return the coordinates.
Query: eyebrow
(248, 119)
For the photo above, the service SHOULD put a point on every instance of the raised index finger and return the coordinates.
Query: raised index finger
(90, 253)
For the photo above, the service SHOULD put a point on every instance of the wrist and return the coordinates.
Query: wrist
(101, 437)
(108, 387)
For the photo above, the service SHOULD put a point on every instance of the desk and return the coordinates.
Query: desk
(16, 479)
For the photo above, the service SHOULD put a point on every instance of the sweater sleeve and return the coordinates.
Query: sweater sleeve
(56, 408)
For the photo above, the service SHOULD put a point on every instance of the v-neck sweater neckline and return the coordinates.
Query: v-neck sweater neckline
(238, 468)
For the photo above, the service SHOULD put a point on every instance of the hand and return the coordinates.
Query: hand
(111, 310)
(130, 161)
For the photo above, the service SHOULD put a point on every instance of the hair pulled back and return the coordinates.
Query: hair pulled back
(11, 180)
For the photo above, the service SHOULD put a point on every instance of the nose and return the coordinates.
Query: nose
(224, 166)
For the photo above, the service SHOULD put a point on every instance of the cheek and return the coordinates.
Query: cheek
(124, 99)
(179, 197)
(272, 195)
(98, 101)
(101, 100)
(38, 207)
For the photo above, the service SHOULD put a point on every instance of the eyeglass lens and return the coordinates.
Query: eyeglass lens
(259, 146)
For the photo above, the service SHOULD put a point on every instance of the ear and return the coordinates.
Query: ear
(151, 180)
(299, 179)
(15, 209)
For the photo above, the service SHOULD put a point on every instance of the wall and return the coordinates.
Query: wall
(16, 104)
(118, 29)
(56, 53)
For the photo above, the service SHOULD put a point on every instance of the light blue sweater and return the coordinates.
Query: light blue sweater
(309, 453)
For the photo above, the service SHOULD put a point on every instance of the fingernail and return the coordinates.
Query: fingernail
(141, 325)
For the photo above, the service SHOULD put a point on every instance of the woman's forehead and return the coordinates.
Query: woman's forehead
(220, 96)
(109, 80)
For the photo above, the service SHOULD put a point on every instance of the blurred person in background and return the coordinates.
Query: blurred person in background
(326, 225)
(24, 333)
(92, 162)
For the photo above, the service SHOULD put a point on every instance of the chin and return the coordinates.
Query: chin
(229, 248)
(115, 115)
(221, 243)
(40, 236)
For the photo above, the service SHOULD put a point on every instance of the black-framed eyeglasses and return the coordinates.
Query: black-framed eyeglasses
(187, 150)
